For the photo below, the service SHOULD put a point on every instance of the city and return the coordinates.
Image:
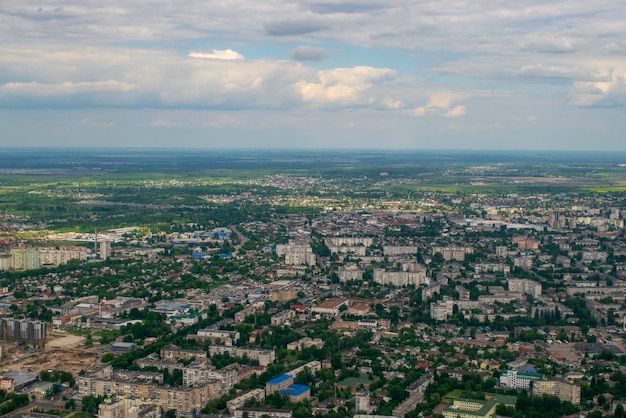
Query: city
(463, 289)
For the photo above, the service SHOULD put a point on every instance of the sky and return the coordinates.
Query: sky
(389, 74)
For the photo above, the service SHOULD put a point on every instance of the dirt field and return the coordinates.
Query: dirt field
(565, 351)
(66, 353)
(66, 342)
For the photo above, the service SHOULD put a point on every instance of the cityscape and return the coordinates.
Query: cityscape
(327, 283)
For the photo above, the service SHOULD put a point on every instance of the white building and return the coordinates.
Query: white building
(296, 254)
(513, 379)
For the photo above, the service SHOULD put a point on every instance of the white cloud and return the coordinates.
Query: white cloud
(217, 54)
(553, 72)
(441, 104)
(342, 85)
(95, 124)
(64, 88)
(390, 103)
(457, 111)
(599, 94)
(550, 42)
(127, 55)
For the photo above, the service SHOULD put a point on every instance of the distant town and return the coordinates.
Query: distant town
(473, 290)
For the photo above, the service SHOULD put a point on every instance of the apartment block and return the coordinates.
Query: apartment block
(262, 413)
(399, 278)
(296, 254)
(264, 357)
(238, 402)
(453, 253)
(513, 379)
(349, 273)
(526, 286)
(128, 408)
(563, 390)
(30, 331)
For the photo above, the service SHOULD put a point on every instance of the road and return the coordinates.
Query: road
(242, 238)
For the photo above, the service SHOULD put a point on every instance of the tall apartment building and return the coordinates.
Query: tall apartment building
(439, 311)
(394, 250)
(34, 258)
(105, 250)
(297, 254)
(526, 243)
(492, 268)
(362, 402)
(24, 258)
(399, 278)
(349, 273)
(54, 257)
(24, 330)
(557, 219)
(5, 261)
(525, 286)
(184, 400)
(513, 379)
(563, 390)
(201, 373)
(453, 253)
(344, 245)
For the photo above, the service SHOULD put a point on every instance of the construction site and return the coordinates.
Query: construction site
(61, 352)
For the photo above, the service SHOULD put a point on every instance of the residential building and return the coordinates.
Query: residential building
(513, 379)
(264, 357)
(296, 254)
(128, 408)
(565, 391)
(473, 408)
(239, 401)
(262, 413)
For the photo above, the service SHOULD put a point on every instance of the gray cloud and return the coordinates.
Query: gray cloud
(346, 7)
(293, 27)
(553, 72)
(308, 53)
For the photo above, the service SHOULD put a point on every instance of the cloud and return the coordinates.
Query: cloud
(456, 111)
(294, 27)
(342, 85)
(217, 54)
(95, 124)
(67, 87)
(599, 94)
(550, 43)
(346, 7)
(552, 72)
(390, 103)
(616, 47)
(442, 104)
(163, 123)
(308, 53)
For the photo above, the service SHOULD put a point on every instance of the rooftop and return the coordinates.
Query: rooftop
(294, 390)
(279, 379)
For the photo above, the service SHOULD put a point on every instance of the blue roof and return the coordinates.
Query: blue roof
(294, 390)
(198, 255)
(279, 379)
